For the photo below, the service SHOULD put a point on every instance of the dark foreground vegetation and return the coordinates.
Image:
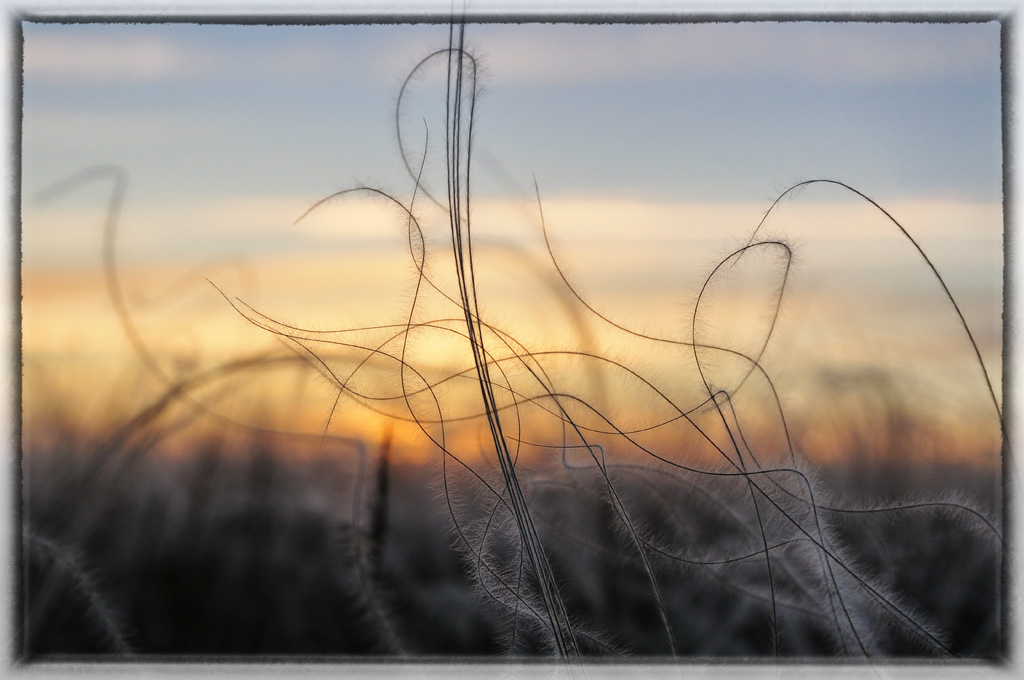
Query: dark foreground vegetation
(259, 555)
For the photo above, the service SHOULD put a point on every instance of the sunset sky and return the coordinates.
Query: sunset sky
(656, 149)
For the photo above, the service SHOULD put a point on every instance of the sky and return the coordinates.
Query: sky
(655, 149)
(663, 112)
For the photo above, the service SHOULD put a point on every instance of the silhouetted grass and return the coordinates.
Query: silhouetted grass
(566, 531)
(259, 554)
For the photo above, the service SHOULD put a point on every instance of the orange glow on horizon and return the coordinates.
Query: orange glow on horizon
(841, 331)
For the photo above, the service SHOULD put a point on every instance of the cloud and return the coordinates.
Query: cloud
(132, 54)
(63, 232)
(860, 53)
(131, 58)
(522, 53)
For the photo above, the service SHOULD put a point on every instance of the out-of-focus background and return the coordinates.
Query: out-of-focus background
(175, 442)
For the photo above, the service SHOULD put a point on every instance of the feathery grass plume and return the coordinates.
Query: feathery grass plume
(97, 482)
(459, 138)
(65, 594)
(115, 453)
(780, 498)
(368, 545)
(695, 526)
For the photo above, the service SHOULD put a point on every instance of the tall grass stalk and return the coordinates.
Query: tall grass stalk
(757, 527)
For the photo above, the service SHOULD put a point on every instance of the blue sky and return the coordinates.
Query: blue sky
(720, 112)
